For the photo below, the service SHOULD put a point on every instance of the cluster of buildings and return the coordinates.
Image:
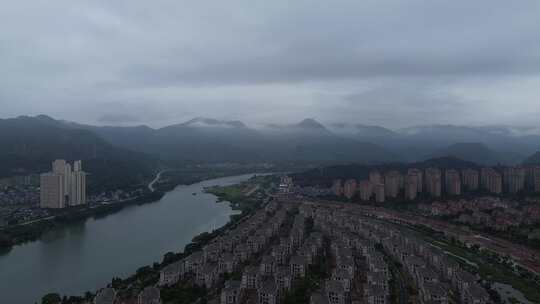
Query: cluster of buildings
(19, 196)
(435, 182)
(19, 181)
(437, 277)
(149, 295)
(260, 260)
(488, 212)
(64, 186)
(360, 273)
(286, 185)
(268, 251)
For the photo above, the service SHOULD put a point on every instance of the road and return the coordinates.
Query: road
(402, 286)
(155, 180)
(37, 220)
(250, 192)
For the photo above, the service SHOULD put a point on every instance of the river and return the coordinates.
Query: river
(85, 256)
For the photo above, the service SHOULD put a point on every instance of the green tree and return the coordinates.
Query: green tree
(51, 298)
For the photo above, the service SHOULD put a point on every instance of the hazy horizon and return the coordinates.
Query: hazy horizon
(341, 127)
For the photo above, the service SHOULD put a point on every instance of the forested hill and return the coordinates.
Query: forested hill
(30, 144)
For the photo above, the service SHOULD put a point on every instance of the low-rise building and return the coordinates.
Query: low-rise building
(267, 293)
(475, 294)
(268, 265)
(375, 295)
(434, 293)
(378, 279)
(227, 263)
(335, 292)
(171, 273)
(298, 266)
(283, 278)
(318, 298)
(105, 296)
(230, 294)
(250, 277)
(149, 295)
(344, 277)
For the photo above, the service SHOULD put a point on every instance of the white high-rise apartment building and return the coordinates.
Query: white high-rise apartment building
(60, 167)
(52, 191)
(77, 193)
(63, 187)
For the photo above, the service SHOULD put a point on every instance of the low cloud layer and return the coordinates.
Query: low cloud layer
(392, 63)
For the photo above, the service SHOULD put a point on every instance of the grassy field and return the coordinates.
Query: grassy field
(236, 194)
(488, 267)
(228, 193)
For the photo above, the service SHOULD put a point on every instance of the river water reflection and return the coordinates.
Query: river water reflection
(86, 255)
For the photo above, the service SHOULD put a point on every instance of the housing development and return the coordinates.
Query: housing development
(435, 182)
(63, 186)
(336, 252)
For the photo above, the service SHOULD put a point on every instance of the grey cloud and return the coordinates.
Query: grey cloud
(272, 60)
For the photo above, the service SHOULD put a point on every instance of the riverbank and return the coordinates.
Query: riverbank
(245, 197)
(20, 234)
(148, 275)
(164, 181)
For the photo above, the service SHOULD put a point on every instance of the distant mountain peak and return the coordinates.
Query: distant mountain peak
(533, 159)
(470, 151)
(446, 162)
(45, 117)
(311, 124)
(38, 119)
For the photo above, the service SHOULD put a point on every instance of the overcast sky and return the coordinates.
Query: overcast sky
(391, 63)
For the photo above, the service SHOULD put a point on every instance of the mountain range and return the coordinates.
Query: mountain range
(210, 140)
(502, 144)
(30, 143)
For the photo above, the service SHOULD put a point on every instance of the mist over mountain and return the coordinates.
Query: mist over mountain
(30, 144)
(210, 122)
(533, 159)
(34, 141)
(473, 152)
(211, 140)
(419, 142)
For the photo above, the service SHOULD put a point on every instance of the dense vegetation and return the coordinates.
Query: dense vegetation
(30, 144)
(489, 266)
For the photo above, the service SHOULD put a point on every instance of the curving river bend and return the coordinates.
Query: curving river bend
(87, 255)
